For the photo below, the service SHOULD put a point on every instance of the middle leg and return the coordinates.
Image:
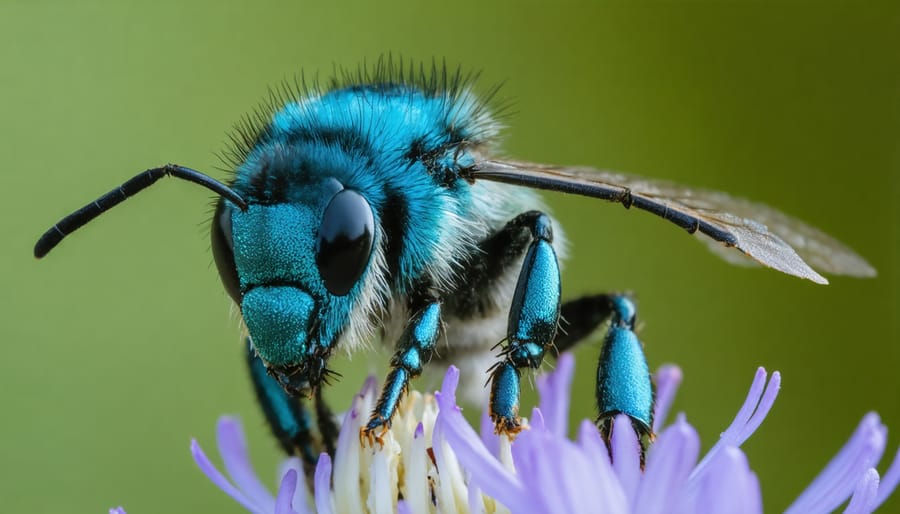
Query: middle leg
(533, 320)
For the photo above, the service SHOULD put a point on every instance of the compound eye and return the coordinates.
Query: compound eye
(223, 251)
(345, 241)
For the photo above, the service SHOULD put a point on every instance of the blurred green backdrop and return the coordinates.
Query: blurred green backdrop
(119, 347)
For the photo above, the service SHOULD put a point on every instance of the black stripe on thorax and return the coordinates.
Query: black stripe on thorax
(419, 152)
(348, 140)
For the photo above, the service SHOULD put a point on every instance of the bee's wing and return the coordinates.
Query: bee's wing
(769, 237)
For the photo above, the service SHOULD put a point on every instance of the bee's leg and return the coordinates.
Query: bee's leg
(533, 319)
(288, 418)
(581, 317)
(624, 385)
(329, 428)
(413, 350)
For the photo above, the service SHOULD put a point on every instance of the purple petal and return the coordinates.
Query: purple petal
(667, 380)
(592, 445)
(762, 410)
(488, 437)
(346, 458)
(485, 470)
(602, 476)
(558, 476)
(536, 422)
(117, 510)
(757, 388)
(889, 481)
(323, 485)
(446, 397)
(554, 389)
(370, 386)
(730, 486)
(529, 471)
(669, 465)
(626, 453)
(533, 470)
(236, 457)
(863, 499)
(835, 483)
(578, 478)
(403, 508)
(219, 479)
(300, 500)
(286, 493)
(756, 406)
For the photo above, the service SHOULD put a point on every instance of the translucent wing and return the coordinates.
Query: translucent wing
(769, 237)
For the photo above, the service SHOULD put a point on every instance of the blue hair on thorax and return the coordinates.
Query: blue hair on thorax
(400, 143)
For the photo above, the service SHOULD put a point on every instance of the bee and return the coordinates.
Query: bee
(373, 206)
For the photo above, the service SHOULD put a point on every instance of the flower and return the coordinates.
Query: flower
(542, 470)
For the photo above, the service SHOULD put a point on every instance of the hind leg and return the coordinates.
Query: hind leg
(624, 384)
(581, 317)
(623, 378)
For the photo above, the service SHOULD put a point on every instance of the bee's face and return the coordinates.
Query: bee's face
(295, 268)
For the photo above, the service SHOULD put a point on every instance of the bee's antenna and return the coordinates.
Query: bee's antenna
(138, 183)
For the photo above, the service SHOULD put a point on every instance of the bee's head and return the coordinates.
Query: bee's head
(296, 268)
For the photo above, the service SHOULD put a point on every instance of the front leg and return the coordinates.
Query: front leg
(533, 320)
(413, 350)
(329, 428)
(287, 416)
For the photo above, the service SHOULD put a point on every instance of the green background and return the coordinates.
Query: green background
(119, 347)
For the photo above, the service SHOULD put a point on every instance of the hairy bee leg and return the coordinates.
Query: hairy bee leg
(533, 319)
(496, 255)
(624, 384)
(287, 416)
(581, 317)
(413, 350)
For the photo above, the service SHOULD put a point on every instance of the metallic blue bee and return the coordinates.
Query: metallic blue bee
(374, 205)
